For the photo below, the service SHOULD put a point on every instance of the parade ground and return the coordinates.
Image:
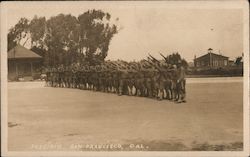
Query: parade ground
(45, 118)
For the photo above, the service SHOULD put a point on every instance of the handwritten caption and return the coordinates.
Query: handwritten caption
(86, 147)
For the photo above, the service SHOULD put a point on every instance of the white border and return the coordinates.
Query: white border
(171, 4)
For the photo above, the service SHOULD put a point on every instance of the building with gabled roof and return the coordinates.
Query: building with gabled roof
(22, 63)
(211, 60)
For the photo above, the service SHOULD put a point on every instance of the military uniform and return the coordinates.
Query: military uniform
(148, 79)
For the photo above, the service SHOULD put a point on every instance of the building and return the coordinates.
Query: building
(23, 63)
(211, 60)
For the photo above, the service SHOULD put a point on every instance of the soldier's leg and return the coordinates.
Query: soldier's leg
(70, 82)
(150, 92)
(169, 96)
(138, 88)
(160, 94)
(133, 90)
(183, 91)
(154, 88)
(178, 89)
(109, 86)
(120, 90)
(129, 90)
(66, 82)
(138, 92)
(80, 83)
(54, 82)
(116, 85)
(60, 82)
(149, 87)
(161, 88)
(174, 91)
(145, 91)
(167, 90)
(87, 85)
(125, 87)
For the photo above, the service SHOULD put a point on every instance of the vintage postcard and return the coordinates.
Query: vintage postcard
(125, 78)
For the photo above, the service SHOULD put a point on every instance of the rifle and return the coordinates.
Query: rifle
(163, 57)
(152, 63)
(154, 59)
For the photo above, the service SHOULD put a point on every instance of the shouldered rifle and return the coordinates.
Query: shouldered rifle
(165, 58)
(153, 59)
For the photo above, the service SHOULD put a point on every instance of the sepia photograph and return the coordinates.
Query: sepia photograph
(125, 78)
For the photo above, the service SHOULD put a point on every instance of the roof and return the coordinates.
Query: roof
(20, 52)
(214, 54)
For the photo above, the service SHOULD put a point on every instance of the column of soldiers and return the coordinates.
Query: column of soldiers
(147, 78)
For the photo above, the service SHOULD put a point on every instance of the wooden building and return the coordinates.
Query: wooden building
(23, 63)
(211, 60)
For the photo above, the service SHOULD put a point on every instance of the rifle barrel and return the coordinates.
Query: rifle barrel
(163, 57)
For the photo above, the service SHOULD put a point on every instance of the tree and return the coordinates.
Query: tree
(65, 39)
(61, 38)
(11, 39)
(96, 33)
(18, 32)
(37, 28)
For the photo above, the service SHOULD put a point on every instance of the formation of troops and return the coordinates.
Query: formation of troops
(147, 78)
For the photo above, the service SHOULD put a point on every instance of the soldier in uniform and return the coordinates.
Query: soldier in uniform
(123, 73)
(67, 77)
(173, 88)
(181, 83)
(148, 79)
(115, 79)
(60, 75)
(53, 77)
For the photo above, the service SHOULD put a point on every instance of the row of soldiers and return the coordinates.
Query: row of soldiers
(147, 78)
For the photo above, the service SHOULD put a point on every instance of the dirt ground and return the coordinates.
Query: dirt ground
(45, 118)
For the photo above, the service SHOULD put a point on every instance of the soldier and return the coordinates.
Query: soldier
(139, 83)
(53, 77)
(149, 78)
(173, 79)
(115, 79)
(168, 85)
(67, 77)
(109, 84)
(148, 71)
(101, 78)
(181, 83)
(130, 80)
(123, 74)
(80, 77)
(60, 76)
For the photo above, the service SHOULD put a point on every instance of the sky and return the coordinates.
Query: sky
(148, 27)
